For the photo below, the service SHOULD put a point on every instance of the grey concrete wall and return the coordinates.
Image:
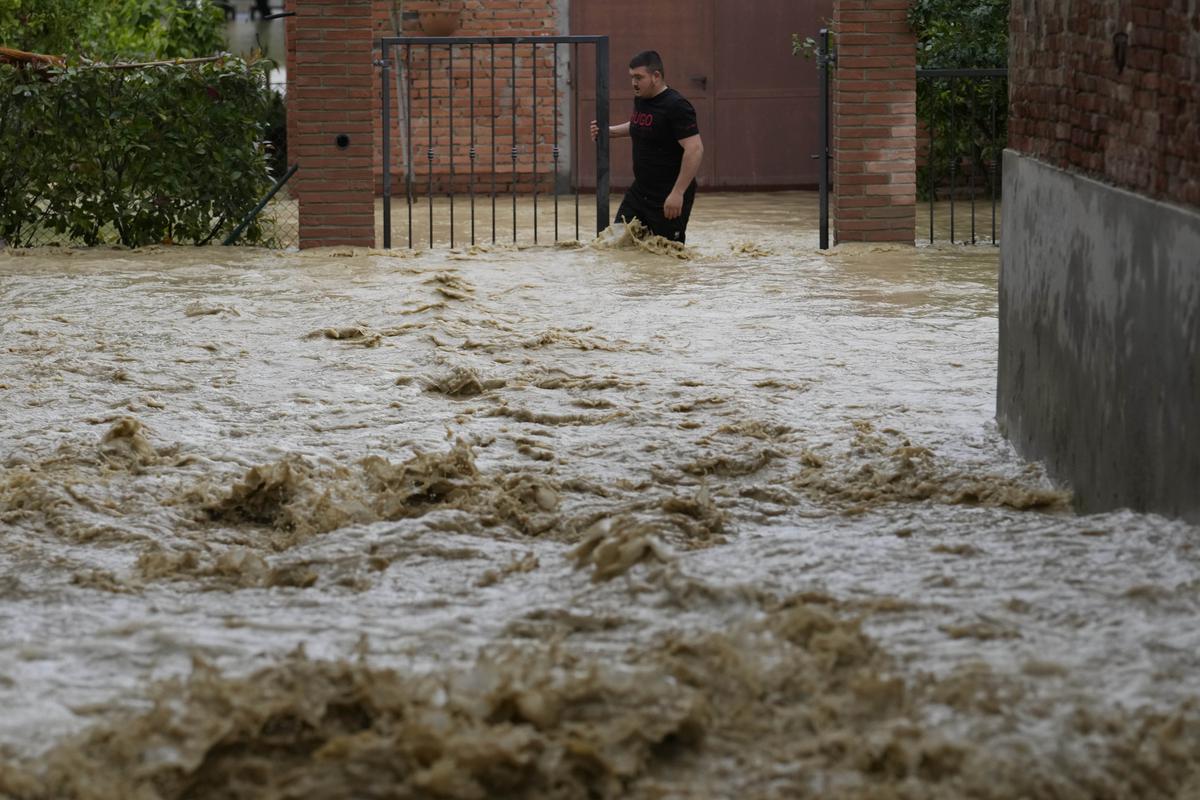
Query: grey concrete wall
(1099, 373)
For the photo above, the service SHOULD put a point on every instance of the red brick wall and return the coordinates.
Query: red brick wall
(1071, 107)
(329, 93)
(480, 18)
(874, 122)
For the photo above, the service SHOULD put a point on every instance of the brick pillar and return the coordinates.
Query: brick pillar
(874, 122)
(330, 95)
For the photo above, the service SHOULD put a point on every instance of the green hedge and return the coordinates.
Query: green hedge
(111, 29)
(962, 34)
(136, 156)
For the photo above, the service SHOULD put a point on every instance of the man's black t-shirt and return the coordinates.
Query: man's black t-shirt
(657, 125)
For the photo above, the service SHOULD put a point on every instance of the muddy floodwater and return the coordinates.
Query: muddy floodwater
(560, 522)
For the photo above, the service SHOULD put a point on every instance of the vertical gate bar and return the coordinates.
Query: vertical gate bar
(429, 143)
(493, 116)
(471, 78)
(931, 162)
(823, 81)
(576, 139)
(555, 137)
(992, 160)
(953, 150)
(534, 65)
(972, 85)
(408, 140)
(513, 75)
(386, 82)
(450, 98)
(602, 143)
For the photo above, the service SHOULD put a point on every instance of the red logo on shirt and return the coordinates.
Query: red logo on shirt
(642, 120)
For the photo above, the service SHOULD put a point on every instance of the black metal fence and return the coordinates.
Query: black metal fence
(480, 120)
(962, 114)
(826, 59)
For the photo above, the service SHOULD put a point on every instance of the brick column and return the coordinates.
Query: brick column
(330, 96)
(874, 122)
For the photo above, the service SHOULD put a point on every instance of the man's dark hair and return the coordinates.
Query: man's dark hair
(650, 59)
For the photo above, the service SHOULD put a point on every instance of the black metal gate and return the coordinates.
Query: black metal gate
(968, 107)
(964, 113)
(509, 47)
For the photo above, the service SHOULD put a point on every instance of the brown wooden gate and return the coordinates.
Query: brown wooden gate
(756, 103)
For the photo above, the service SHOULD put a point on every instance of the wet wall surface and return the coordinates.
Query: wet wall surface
(1100, 339)
(563, 522)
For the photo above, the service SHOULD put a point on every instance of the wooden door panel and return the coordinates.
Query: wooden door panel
(766, 143)
(766, 98)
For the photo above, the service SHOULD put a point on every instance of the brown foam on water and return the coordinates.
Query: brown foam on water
(451, 286)
(636, 236)
(797, 702)
(234, 568)
(885, 467)
(125, 443)
(201, 309)
(101, 580)
(527, 563)
(613, 545)
(361, 335)
(571, 339)
(731, 465)
(749, 249)
(554, 379)
(294, 499)
(228, 533)
(74, 492)
(462, 382)
(753, 428)
(550, 418)
(297, 499)
(701, 518)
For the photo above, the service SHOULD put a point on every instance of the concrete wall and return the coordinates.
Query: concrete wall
(1100, 338)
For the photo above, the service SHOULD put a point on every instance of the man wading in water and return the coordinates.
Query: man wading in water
(667, 151)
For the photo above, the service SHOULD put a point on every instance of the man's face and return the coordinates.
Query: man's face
(645, 83)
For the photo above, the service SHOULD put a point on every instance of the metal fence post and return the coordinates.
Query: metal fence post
(824, 58)
(385, 77)
(602, 148)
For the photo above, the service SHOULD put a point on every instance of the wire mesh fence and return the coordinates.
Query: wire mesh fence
(280, 222)
(46, 237)
(275, 220)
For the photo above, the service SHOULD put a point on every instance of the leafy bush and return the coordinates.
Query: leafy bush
(277, 146)
(969, 119)
(960, 33)
(138, 156)
(109, 29)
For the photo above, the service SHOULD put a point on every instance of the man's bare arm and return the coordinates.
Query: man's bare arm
(614, 131)
(693, 155)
